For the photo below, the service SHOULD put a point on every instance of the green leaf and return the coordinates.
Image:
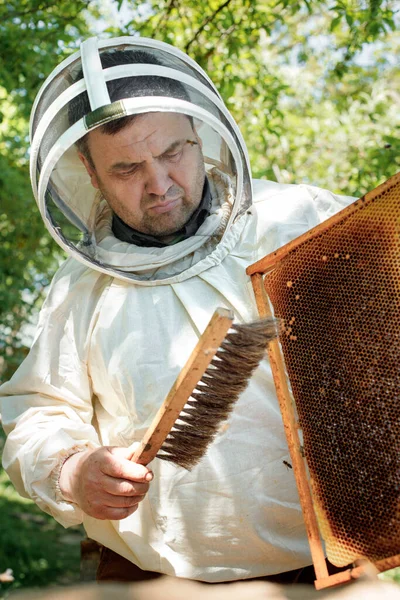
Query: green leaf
(335, 23)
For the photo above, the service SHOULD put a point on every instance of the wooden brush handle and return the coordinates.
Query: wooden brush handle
(184, 385)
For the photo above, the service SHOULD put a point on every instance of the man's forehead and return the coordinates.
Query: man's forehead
(139, 136)
(151, 129)
(150, 126)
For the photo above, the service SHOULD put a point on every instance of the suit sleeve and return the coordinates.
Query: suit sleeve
(327, 203)
(46, 407)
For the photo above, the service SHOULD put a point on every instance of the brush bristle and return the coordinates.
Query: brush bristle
(217, 391)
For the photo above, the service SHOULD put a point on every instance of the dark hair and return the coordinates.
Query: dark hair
(125, 87)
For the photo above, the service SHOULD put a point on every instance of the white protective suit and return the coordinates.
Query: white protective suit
(106, 352)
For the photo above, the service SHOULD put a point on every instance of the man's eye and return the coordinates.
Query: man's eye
(174, 155)
(129, 172)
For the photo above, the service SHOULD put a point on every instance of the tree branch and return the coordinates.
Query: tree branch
(206, 22)
(224, 34)
(164, 15)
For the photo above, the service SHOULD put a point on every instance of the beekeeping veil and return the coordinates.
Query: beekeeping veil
(87, 90)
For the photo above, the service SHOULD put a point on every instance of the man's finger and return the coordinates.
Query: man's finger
(121, 501)
(124, 487)
(116, 514)
(118, 466)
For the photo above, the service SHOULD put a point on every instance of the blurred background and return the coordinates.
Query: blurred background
(314, 87)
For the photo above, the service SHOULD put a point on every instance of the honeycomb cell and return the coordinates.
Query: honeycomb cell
(339, 296)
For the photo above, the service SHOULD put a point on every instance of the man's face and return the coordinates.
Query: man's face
(151, 172)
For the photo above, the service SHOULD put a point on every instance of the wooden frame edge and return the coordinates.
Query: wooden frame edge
(262, 265)
(292, 436)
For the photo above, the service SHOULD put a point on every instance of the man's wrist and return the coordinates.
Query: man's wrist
(69, 474)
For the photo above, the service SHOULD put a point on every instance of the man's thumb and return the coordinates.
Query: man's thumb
(122, 452)
(130, 450)
(128, 453)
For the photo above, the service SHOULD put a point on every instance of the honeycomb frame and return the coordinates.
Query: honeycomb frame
(337, 291)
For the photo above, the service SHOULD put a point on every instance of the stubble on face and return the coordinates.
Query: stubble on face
(145, 212)
(162, 223)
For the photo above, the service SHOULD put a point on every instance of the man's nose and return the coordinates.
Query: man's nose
(158, 180)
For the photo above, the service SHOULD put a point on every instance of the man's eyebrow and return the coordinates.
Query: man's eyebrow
(121, 166)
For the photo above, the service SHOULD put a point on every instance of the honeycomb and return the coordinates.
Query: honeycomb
(338, 295)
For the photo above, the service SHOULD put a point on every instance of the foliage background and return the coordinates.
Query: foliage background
(314, 86)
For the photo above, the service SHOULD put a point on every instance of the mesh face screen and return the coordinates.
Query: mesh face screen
(339, 297)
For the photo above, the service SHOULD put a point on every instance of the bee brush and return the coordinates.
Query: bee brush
(206, 390)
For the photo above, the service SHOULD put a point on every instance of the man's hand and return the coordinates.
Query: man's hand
(104, 483)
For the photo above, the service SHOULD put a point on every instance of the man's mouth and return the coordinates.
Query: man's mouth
(166, 206)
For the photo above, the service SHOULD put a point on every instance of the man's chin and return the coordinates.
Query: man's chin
(166, 225)
(162, 232)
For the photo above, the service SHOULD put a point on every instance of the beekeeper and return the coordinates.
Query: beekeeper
(142, 176)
